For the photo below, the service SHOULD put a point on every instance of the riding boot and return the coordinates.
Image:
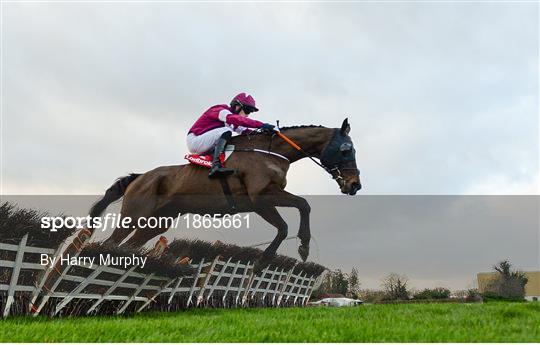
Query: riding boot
(217, 170)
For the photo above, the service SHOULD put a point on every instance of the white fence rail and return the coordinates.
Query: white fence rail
(215, 283)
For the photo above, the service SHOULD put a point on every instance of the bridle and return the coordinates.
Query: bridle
(332, 165)
(337, 176)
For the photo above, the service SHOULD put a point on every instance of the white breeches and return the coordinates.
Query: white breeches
(204, 143)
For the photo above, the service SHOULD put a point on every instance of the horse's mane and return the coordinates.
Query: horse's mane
(245, 138)
(301, 126)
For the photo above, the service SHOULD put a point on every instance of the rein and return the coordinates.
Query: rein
(299, 149)
(328, 170)
(334, 171)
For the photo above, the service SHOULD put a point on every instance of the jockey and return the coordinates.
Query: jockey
(214, 128)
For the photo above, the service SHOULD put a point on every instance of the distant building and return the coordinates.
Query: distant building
(532, 289)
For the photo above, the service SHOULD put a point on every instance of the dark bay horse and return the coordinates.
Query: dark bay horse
(258, 184)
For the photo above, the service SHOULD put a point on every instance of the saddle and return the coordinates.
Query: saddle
(206, 160)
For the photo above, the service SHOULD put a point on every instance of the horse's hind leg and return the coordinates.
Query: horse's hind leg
(119, 234)
(142, 236)
(132, 208)
(161, 219)
(272, 216)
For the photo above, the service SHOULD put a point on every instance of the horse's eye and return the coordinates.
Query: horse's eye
(345, 147)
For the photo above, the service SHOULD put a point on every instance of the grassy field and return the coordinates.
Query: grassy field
(489, 322)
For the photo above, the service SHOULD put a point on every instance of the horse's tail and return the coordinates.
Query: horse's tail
(115, 192)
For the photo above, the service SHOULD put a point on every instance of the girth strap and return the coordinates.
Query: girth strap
(227, 191)
(263, 151)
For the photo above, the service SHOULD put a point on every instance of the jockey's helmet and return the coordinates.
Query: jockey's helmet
(245, 101)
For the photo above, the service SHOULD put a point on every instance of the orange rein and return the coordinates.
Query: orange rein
(289, 141)
(298, 148)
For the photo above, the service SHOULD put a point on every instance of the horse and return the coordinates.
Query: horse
(260, 162)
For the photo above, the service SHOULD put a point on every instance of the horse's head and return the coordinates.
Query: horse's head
(339, 158)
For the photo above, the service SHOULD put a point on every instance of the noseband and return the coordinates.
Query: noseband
(335, 172)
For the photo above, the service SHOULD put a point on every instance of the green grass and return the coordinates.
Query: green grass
(489, 322)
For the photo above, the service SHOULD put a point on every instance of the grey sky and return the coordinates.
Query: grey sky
(442, 97)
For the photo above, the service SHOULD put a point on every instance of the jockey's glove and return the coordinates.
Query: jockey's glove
(268, 128)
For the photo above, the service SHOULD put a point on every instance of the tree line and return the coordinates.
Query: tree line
(509, 284)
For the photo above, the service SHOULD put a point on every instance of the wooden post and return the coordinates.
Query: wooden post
(206, 280)
(230, 281)
(216, 282)
(39, 287)
(270, 283)
(111, 289)
(78, 289)
(241, 286)
(250, 281)
(15, 274)
(195, 279)
(275, 293)
(259, 281)
(152, 299)
(175, 290)
(280, 297)
(137, 290)
(299, 285)
(292, 287)
(54, 277)
(309, 289)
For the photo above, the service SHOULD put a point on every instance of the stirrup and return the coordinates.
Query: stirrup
(219, 172)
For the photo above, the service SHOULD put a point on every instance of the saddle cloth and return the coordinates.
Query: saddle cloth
(206, 160)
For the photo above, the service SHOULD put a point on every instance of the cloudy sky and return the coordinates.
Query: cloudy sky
(442, 99)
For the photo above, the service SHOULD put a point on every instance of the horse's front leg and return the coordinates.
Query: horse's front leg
(286, 199)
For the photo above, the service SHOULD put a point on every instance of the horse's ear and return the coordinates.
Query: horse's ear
(345, 127)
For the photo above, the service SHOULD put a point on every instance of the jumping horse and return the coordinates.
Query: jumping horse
(260, 161)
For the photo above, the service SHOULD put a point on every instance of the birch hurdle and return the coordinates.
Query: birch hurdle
(219, 282)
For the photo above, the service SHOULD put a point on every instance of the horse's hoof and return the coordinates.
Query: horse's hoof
(304, 252)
